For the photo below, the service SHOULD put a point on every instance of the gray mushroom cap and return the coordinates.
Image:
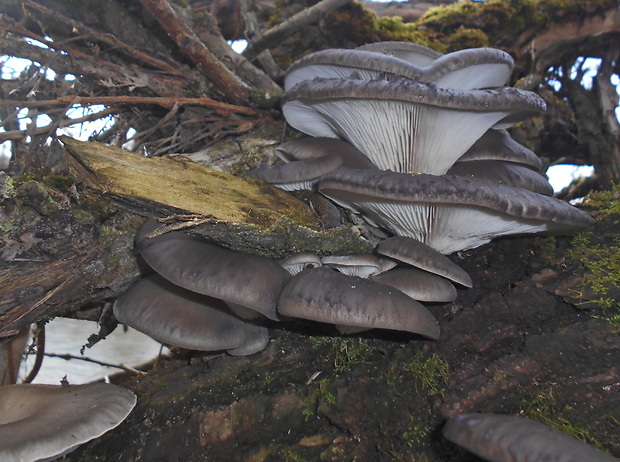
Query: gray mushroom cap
(312, 148)
(413, 52)
(498, 145)
(420, 255)
(418, 284)
(464, 69)
(357, 264)
(300, 174)
(191, 263)
(507, 173)
(325, 295)
(505, 438)
(449, 213)
(300, 261)
(179, 317)
(414, 118)
(40, 422)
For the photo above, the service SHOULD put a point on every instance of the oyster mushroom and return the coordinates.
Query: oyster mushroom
(449, 213)
(464, 69)
(176, 316)
(415, 253)
(417, 284)
(312, 148)
(324, 295)
(401, 125)
(43, 422)
(498, 145)
(413, 52)
(192, 263)
(506, 438)
(300, 261)
(359, 264)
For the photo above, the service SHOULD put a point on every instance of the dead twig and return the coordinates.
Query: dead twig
(68, 357)
(165, 101)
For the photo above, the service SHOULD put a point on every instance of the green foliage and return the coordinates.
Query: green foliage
(430, 373)
(318, 395)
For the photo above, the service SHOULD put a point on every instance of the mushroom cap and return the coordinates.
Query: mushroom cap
(312, 148)
(507, 173)
(355, 264)
(414, 118)
(179, 317)
(413, 52)
(506, 438)
(300, 261)
(498, 145)
(300, 174)
(420, 255)
(45, 421)
(324, 295)
(449, 213)
(417, 284)
(464, 69)
(190, 262)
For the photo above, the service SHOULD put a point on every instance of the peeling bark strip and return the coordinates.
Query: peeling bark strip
(187, 41)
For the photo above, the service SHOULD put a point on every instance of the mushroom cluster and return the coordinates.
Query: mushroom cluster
(415, 142)
(204, 297)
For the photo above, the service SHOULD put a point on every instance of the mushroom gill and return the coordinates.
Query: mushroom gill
(401, 125)
(449, 213)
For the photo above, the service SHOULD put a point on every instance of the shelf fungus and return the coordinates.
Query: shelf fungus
(176, 316)
(506, 438)
(44, 422)
(325, 295)
(449, 213)
(401, 125)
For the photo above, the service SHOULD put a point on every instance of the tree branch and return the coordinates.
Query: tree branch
(291, 25)
(188, 42)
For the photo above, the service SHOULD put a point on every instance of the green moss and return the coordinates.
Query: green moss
(431, 373)
(350, 351)
(468, 38)
(319, 394)
(543, 405)
(47, 178)
(291, 456)
(416, 433)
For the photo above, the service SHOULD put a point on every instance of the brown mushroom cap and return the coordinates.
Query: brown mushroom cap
(420, 255)
(506, 438)
(417, 284)
(413, 52)
(498, 145)
(325, 295)
(179, 317)
(45, 421)
(192, 263)
(449, 213)
(464, 69)
(507, 173)
(414, 118)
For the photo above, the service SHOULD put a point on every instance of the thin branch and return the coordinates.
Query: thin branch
(164, 101)
(292, 25)
(19, 134)
(106, 38)
(188, 42)
(68, 357)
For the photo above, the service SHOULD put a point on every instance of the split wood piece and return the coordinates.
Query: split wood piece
(182, 185)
